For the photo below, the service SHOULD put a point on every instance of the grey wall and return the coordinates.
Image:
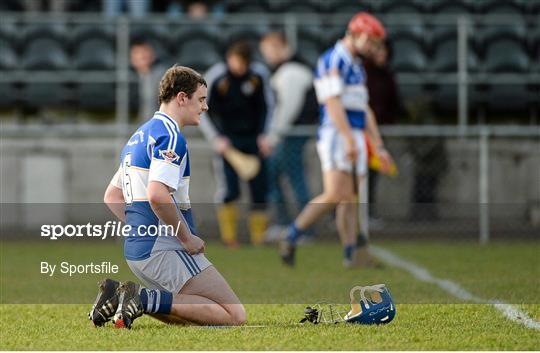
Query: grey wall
(77, 170)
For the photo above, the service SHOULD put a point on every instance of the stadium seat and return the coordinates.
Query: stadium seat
(332, 34)
(506, 55)
(314, 29)
(408, 56)
(308, 50)
(410, 93)
(185, 33)
(505, 98)
(134, 96)
(158, 36)
(95, 96)
(94, 54)
(450, 7)
(414, 32)
(535, 49)
(409, 7)
(254, 6)
(44, 54)
(444, 57)
(250, 34)
(501, 7)
(246, 32)
(488, 34)
(445, 98)
(9, 31)
(190, 51)
(46, 94)
(81, 32)
(57, 31)
(532, 7)
(9, 95)
(295, 7)
(8, 56)
(345, 6)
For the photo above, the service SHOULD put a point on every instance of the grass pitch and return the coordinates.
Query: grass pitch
(427, 317)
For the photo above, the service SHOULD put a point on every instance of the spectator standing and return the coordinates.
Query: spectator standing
(53, 6)
(296, 104)
(238, 103)
(385, 102)
(135, 8)
(149, 71)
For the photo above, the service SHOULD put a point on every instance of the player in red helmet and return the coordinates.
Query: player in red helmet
(346, 118)
(363, 22)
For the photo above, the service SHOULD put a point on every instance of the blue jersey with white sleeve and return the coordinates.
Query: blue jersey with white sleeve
(339, 74)
(157, 151)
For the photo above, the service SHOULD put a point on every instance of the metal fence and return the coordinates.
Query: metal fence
(462, 179)
(481, 184)
(463, 78)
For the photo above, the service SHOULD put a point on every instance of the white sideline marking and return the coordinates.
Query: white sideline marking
(421, 273)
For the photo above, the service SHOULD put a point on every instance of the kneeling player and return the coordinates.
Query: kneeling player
(151, 189)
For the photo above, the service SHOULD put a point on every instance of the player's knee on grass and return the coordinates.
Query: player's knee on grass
(238, 315)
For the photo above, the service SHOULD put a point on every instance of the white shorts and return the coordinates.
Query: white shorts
(331, 149)
(168, 270)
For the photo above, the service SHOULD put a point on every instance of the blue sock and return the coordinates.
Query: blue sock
(293, 234)
(348, 252)
(156, 301)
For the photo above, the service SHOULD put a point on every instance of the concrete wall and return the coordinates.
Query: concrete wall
(77, 170)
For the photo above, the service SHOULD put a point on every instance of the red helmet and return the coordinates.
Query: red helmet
(363, 22)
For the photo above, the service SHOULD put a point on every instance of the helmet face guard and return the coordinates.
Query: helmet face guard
(375, 306)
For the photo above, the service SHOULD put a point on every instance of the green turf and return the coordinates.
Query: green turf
(506, 271)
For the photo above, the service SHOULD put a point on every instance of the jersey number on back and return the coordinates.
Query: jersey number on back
(126, 180)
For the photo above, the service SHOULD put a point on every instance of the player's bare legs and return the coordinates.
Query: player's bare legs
(337, 186)
(346, 221)
(207, 299)
(337, 189)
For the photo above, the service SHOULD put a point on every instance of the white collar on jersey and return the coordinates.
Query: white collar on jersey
(343, 49)
(160, 113)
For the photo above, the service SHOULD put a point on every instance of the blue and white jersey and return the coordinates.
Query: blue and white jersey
(157, 151)
(340, 74)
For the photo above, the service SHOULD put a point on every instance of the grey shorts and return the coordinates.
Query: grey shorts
(168, 269)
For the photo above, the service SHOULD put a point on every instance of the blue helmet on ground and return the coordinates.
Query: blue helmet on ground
(375, 305)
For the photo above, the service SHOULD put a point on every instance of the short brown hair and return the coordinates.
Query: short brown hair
(241, 49)
(276, 36)
(179, 79)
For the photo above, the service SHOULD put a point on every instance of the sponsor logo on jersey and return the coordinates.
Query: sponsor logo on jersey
(169, 155)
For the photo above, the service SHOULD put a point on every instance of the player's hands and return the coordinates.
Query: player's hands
(193, 245)
(221, 143)
(386, 159)
(351, 149)
(265, 147)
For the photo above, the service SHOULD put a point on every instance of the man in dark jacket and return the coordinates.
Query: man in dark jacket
(237, 104)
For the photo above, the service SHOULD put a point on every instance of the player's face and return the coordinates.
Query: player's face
(142, 57)
(271, 51)
(237, 65)
(365, 45)
(195, 106)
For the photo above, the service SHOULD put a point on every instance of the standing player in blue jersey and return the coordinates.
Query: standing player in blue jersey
(151, 188)
(340, 84)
